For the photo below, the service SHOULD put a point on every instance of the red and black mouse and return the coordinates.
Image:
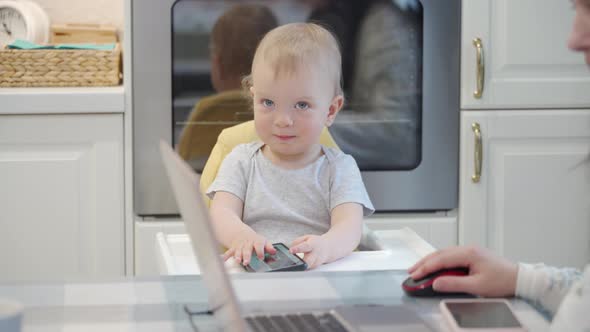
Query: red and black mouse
(423, 286)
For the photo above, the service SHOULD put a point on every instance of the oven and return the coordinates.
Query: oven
(401, 61)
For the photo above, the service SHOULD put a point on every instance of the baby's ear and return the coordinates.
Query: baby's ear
(251, 91)
(335, 107)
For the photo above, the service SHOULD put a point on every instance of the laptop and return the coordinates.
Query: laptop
(222, 300)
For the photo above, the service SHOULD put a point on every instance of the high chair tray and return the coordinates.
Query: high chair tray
(403, 248)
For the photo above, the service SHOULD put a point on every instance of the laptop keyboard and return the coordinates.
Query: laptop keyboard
(295, 323)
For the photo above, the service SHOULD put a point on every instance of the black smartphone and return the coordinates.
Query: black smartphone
(283, 260)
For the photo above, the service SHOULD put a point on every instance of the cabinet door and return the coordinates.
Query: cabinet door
(61, 196)
(526, 60)
(532, 201)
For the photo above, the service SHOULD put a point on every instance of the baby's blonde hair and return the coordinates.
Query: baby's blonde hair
(294, 46)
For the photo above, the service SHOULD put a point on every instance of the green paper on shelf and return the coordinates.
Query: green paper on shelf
(101, 47)
(27, 45)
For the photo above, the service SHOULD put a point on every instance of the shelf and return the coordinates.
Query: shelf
(67, 100)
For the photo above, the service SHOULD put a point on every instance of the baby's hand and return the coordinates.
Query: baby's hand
(246, 242)
(315, 247)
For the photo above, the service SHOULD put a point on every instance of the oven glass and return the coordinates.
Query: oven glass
(381, 43)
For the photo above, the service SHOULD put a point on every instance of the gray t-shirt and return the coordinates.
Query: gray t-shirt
(284, 204)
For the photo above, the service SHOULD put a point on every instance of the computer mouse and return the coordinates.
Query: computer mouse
(423, 287)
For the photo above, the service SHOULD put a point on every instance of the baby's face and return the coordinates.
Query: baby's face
(290, 111)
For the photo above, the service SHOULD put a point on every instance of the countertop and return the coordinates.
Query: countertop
(157, 304)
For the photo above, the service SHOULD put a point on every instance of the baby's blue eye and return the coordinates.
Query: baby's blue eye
(267, 102)
(302, 105)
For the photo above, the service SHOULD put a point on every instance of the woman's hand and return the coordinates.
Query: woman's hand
(315, 248)
(244, 243)
(489, 275)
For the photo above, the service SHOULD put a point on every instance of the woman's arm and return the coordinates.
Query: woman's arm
(489, 274)
(545, 286)
(494, 276)
(573, 310)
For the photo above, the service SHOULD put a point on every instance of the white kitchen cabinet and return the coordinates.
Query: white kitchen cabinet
(532, 201)
(525, 57)
(61, 196)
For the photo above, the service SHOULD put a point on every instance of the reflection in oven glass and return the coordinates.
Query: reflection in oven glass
(381, 40)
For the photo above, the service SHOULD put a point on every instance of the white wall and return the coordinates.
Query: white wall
(85, 11)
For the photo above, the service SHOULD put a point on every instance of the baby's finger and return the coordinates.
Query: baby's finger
(228, 254)
(259, 249)
(298, 240)
(310, 259)
(247, 253)
(269, 248)
(302, 247)
(238, 254)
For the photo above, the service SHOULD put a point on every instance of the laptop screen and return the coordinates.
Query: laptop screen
(185, 185)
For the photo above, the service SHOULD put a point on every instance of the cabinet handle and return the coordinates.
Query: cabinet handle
(477, 152)
(480, 68)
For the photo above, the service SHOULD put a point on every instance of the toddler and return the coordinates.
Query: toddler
(287, 187)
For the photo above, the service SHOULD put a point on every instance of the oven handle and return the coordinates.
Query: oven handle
(480, 73)
(477, 152)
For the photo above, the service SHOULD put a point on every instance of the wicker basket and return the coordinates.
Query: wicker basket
(53, 67)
